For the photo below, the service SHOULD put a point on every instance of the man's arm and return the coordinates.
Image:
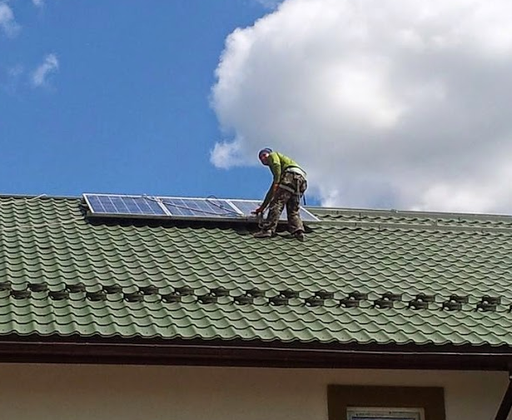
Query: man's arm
(268, 197)
(275, 168)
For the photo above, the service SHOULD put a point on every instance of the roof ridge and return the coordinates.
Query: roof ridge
(39, 196)
(409, 226)
(326, 211)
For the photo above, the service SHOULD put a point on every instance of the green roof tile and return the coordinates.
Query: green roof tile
(61, 274)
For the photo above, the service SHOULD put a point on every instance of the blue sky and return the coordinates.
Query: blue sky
(398, 104)
(124, 103)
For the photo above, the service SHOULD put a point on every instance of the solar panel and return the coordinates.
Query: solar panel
(114, 205)
(246, 206)
(123, 205)
(200, 207)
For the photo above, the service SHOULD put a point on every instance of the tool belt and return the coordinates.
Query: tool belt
(297, 185)
(296, 170)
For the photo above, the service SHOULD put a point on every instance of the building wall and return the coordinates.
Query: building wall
(80, 392)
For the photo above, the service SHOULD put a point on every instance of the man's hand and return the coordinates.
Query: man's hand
(258, 211)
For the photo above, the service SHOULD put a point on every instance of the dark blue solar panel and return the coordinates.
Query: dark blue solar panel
(123, 205)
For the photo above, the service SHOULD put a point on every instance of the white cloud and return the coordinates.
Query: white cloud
(48, 66)
(386, 103)
(7, 21)
(38, 3)
(226, 155)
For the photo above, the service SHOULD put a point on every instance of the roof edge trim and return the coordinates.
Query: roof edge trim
(243, 355)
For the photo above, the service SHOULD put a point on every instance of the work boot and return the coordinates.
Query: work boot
(299, 235)
(263, 234)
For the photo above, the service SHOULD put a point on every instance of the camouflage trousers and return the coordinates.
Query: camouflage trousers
(291, 189)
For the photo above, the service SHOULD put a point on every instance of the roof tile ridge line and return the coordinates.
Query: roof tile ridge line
(413, 297)
(114, 319)
(410, 213)
(405, 226)
(279, 290)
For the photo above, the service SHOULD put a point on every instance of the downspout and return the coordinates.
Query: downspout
(506, 403)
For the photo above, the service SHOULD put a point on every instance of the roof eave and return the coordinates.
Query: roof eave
(254, 354)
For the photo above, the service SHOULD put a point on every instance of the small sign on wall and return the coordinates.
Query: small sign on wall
(385, 413)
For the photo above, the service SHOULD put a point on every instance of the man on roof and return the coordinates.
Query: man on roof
(288, 186)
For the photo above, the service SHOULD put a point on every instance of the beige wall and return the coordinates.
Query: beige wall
(69, 392)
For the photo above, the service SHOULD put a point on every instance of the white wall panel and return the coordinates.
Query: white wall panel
(85, 392)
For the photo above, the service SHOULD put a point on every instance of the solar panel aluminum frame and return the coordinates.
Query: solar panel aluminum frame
(237, 214)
